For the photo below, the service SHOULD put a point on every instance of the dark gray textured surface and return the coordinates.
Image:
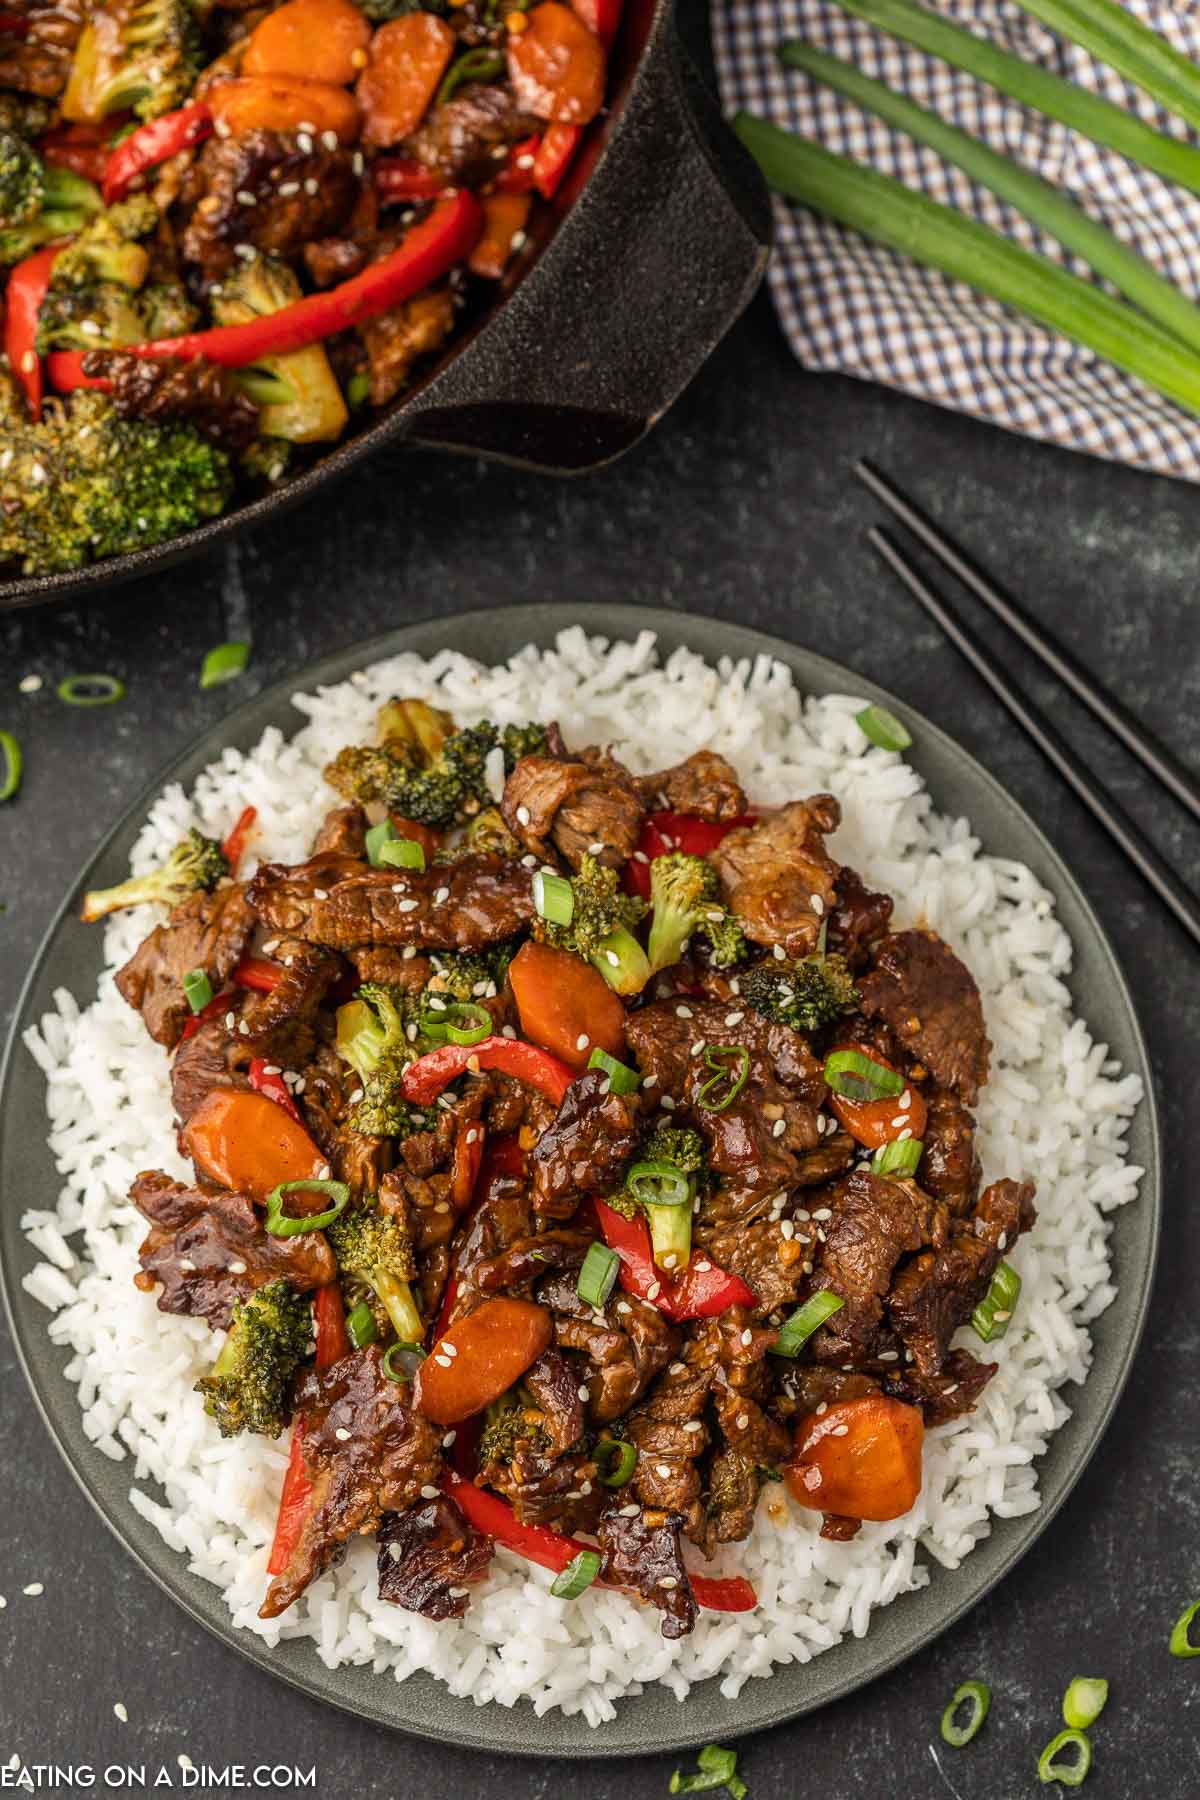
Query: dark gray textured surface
(741, 505)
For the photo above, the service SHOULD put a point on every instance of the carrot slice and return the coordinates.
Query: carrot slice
(281, 103)
(248, 1144)
(860, 1458)
(479, 1358)
(313, 40)
(556, 66)
(408, 59)
(566, 1006)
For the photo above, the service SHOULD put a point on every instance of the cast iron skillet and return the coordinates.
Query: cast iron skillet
(657, 241)
(653, 1721)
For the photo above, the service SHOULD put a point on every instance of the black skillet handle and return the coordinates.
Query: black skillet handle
(659, 254)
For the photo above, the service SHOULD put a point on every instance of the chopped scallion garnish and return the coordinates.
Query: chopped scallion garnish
(799, 1327)
(553, 898)
(858, 1077)
(616, 1460)
(1070, 1773)
(990, 1318)
(1181, 1641)
(883, 728)
(401, 853)
(197, 989)
(402, 1361)
(578, 1575)
(975, 1695)
(360, 1325)
(455, 1022)
(281, 1224)
(1084, 1701)
(900, 1157)
(718, 1768)
(223, 663)
(379, 835)
(659, 1184)
(10, 765)
(90, 690)
(621, 1078)
(598, 1276)
(732, 1065)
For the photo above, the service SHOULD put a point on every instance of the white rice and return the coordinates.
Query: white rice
(1056, 1109)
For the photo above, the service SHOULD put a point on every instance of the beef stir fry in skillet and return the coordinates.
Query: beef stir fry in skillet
(568, 1167)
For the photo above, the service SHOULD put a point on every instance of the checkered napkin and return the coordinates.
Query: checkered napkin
(848, 305)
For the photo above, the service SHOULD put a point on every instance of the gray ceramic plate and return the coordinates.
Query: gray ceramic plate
(653, 1721)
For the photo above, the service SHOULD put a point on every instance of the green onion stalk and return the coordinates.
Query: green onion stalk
(1041, 204)
(915, 226)
(1113, 36)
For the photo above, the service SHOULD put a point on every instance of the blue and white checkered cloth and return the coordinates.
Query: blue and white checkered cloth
(851, 306)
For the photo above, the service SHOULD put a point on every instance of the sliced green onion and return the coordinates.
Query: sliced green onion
(859, 1077)
(281, 1224)
(937, 236)
(379, 835)
(974, 1694)
(1181, 1643)
(659, 1184)
(718, 1768)
(732, 1063)
(900, 1157)
(616, 1459)
(579, 1574)
(90, 690)
(799, 1327)
(480, 64)
(990, 1318)
(402, 1361)
(10, 766)
(876, 722)
(466, 1022)
(197, 989)
(358, 388)
(553, 898)
(401, 853)
(224, 663)
(1035, 87)
(621, 1078)
(1084, 1701)
(360, 1325)
(598, 1276)
(1071, 1773)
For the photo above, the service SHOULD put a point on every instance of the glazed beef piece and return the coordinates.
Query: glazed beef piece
(930, 1003)
(859, 919)
(705, 785)
(947, 1395)
(950, 1169)
(641, 1550)
(459, 140)
(778, 877)
(805, 1386)
(671, 1435)
(875, 1221)
(428, 1557)
(939, 1290)
(503, 1217)
(663, 1038)
(755, 1443)
(467, 905)
(297, 195)
(282, 1025)
(531, 1259)
(626, 1342)
(366, 1452)
(205, 931)
(165, 391)
(396, 340)
(545, 1489)
(586, 1149)
(323, 1096)
(37, 58)
(210, 1058)
(554, 1388)
(397, 968)
(342, 832)
(209, 1250)
(577, 806)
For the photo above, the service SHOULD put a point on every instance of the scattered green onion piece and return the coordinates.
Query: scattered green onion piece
(197, 989)
(281, 1224)
(858, 1077)
(1181, 1642)
(579, 1574)
(1084, 1701)
(621, 1078)
(734, 1070)
(480, 64)
(598, 1276)
(659, 1184)
(553, 897)
(90, 690)
(796, 1330)
(358, 388)
(1071, 1773)
(990, 1318)
(978, 1696)
(621, 1459)
(224, 663)
(466, 1022)
(10, 766)
(409, 1357)
(401, 853)
(379, 835)
(718, 1768)
(900, 1157)
(360, 1325)
(876, 722)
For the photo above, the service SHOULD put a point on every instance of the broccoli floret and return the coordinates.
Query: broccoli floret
(103, 317)
(22, 180)
(144, 54)
(297, 392)
(442, 789)
(601, 928)
(93, 301)
(671, 1152)
(806, 995)
(377, 1035)
(372, 1247)
(522, 740)
(107, 248)
(676, 1144)
(197, 862)
(685, 897)
(66, 204)
(267, 460)
(249, 1386)
(510, 1422)
(86, 483)
(28, 115)
(413, 730)
(462, 977)
(166, 310)
(485, 835)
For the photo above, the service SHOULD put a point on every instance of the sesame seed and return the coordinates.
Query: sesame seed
(840, 1431)
(311, 186)
(779, 953)
(906, 1133)
(734, 1018)
(595, 849)
(650, 1081)
(409, 951)
(779, 1127)
(787, 1229)
(1002, 1241)
(663, 1469)
(430, 1493)
(407, 906)
(230, 1020)
(448, 1440)
(288, 188)
(329, 140)
(822, 1212)
(818, 905)
(613, 958)
(623, 1306)
(247, 252)
(523, 815)
(441, 896)
(583, 1391)
(245, 198)
(237, 1268)
(702, 1268)
(905, 1100)
(359, 164)
(342, 1435)
(585, 1487)
(668, 1105)
(121, 1712)
(529, 862)
(304, 141)
(443, 1206)
(742, 1420)
(629, 1512)
(669, 1260)
(747, 1336)
(33, 1590)
(823, 1408)
(582, 1041)
(889, 1356)
(655, 1289)
(669, 1581)
(997, 1316)
(693, 1425)
(684, 1012)
(458, 1593)
(323, 1172)
(677, 1368)
(356, 1096)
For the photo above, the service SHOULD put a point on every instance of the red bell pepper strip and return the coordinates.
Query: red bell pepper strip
(704, 1292)
(425, 1079)
(699, 1293)
(600, 16)
(273, 1086)
(555, 154)
(429, 251)
(216, 1006)
(255, 973)
(153, 143)
(333, 1341)
(404, 178)
(81, 148)
(551, 1550)
(294, 1503)
(516, 177)
(26, 290)
(663, 832)
(234, 846)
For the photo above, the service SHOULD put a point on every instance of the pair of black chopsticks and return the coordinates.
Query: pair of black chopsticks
(1159, 760)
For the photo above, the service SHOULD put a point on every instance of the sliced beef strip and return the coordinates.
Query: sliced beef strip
(950, 1169)
(281, 1025)
(37, 60)
(705, 786)
(554, 1387)
(805, 1386)
(643, 1552)
(531, 1259)
(586, 1149)
(778, 876)
(212, 1057)
(543, 1489)
(366, 1452)
(428, 1557)
(670, 1431)
(342, 832)
(944, 1396)
(298, 195)
(733, 1490)
(395, 968)
(859, 919)
(422, 1205)
(930, 1002)
(753, 1439)
(209, 1250)
(663, 1038)
(459, 140)
(503, 1216)
(576, 806)
(938, 1291)
(205, 931)
(875, 1221)
(488, 898)
(626, 1341)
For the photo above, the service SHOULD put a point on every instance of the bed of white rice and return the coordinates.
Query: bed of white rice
(1056, 1109)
